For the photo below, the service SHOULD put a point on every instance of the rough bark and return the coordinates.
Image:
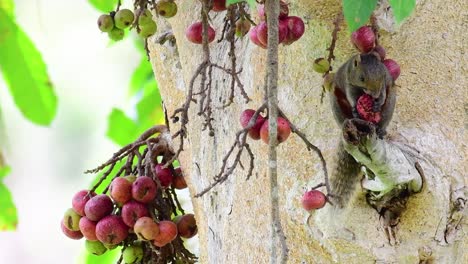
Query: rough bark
(234, 218)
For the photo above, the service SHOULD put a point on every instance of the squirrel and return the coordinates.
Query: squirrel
(361, 74)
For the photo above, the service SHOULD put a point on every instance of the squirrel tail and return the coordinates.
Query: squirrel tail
(344, 177)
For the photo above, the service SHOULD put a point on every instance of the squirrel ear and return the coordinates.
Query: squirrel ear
(357, 60)
(375, 54)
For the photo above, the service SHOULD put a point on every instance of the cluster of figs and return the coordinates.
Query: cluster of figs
(126, 217)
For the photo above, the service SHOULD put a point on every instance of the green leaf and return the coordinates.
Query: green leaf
(357, 12)
(110, 257)
(8, 6)
(121, 129)
(402, 9)
(252, 3)
(25, 73)
(142, 74)
(104, 5)
(8, 217)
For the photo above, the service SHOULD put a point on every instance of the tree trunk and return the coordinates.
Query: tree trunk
(431, 116)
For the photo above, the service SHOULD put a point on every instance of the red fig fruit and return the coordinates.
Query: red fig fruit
(295, 27)
(245, 117)
(219, 5)
(186, 225)
(262, 32)
(146, 228)
(253, 35)
(393, 68)
(363, 39)
(70, 234)
(284, 11)
(111, 230)
(167, 233)
(313, 199)
(98, 207)
(381, 51)
(194, 33)
(88, 228)
(144, 189)
(178, 181)
(132, 211)
(121, 190)
(164, 175)
(364, 107)
(80, 199)
(284, 130)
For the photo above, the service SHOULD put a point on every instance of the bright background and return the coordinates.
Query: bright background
(90, 77)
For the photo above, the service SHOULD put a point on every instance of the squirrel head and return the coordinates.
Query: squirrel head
(368, 73)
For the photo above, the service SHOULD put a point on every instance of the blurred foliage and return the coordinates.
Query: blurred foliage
(26, 76)
(7, 6)
(402, 8)
(357, 13)
(111, 256)
(25, 73)
(143, 88)
(8, 218)
(103, 5)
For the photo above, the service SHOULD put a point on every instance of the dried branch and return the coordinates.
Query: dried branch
(310, 147)
(205, 72)
(240, 143)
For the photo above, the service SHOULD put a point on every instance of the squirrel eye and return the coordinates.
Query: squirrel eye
(361, 78)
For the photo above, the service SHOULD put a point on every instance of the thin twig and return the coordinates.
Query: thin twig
(310, 147)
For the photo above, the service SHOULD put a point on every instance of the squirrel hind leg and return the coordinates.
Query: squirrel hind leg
(344, 177)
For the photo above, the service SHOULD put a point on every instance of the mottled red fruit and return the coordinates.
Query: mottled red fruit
(245, 117)
(283, 130)
(133, 210)
(164, 175)
(144, 189)
(88, 228)
(98, 207)
(295, 27)
(194, 33)
(167, 233)
(219, 5)
(381, 51)
(393, 68)
(313, 199)
(262, 32)
(363, 39)
(146, 228)
(121, 190)
(79, 201)
(284, 11)
(186, 225)
(254, 37)
(71, 234)
(178, 181)
(364, 108)
(111, 230)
